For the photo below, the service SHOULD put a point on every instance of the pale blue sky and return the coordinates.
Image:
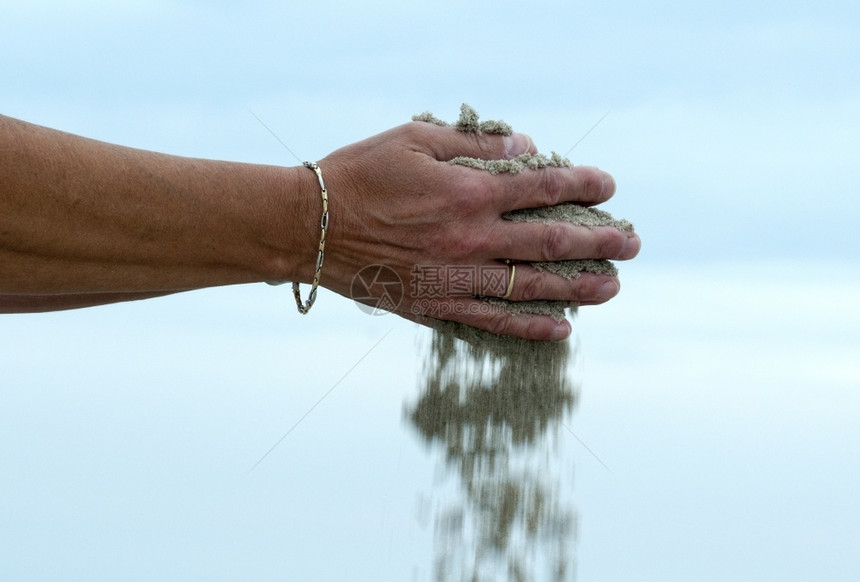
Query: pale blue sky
(738, 117)
(720, 386)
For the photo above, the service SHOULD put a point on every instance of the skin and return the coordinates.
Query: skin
(85, 223)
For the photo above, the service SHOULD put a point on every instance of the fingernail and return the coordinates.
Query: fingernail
(560, 332)
(632, 244)
(607, 291)
(608, 186)
(517, 144)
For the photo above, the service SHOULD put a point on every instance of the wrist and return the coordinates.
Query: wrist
(289, 220)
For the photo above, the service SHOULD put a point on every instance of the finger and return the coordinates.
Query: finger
(562, 241)
(526, 189)
(494, 319)
(447, 143)
(583, 185)
(530, 284)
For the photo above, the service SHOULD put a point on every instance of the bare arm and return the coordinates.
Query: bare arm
(42, 303)
(78, 216)
(84, 222)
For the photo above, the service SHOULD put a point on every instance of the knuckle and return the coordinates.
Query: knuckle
(595, 185)
(480, 243)
(415, 134)
(489, 145)
(585, 289)
(455, 247)
(498, 324)
(530, 289)
(468, 194)
(609, 245)
(417, 131)
(552, 184)
(555, 243)
(412, 129)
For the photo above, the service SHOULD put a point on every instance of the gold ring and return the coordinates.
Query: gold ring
(510, 281)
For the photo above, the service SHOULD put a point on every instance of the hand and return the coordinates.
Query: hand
(395, 200)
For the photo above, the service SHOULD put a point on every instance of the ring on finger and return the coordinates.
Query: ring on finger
(510, 280)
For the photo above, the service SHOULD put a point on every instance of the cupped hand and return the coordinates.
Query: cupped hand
(395, 200)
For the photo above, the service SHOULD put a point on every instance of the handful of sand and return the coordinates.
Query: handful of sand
(569, 212)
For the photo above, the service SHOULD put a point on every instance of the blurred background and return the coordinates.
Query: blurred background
(709, 427)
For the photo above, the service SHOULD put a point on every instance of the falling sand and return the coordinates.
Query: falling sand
(488, 400)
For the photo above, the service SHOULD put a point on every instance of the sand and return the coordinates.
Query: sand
(526, 381)
(514, 166)
(493, 408)
(581, 215)
(468, 122)
(575, 214)
(490, 401)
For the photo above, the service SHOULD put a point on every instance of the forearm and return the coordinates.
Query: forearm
(79, 216)
(42, 303)
(84, 223)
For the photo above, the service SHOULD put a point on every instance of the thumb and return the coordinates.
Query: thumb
(448, 143)
(518, 144)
